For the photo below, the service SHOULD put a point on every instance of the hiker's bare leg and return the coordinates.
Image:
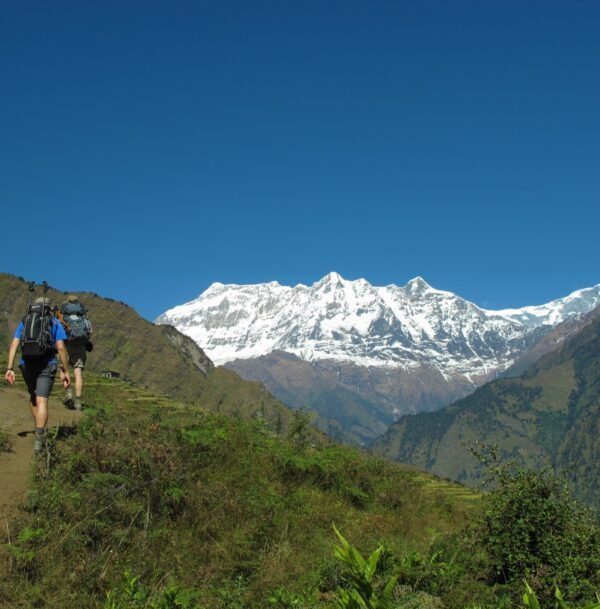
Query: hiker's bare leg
(40, 412)
(78, 382)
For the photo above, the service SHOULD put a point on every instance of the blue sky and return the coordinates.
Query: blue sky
(149, 149)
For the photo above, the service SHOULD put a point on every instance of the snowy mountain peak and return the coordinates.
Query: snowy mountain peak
(338, 319)
(333, 280)
(332, 277)
(417, 282)
(417, 286)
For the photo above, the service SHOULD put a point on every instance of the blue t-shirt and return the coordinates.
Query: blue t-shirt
(57, 333)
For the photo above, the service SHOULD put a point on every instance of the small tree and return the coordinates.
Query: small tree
(299, 431)
(533, 529)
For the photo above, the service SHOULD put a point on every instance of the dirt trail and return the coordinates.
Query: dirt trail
(15, 418)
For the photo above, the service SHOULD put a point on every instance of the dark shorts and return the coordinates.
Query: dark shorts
(77, 352)
(39, 378)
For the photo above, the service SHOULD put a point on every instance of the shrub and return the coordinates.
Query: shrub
(533, 529)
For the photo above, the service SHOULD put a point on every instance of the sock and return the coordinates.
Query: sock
(39, 431)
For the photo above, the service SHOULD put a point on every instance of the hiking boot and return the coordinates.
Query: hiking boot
(68, 399)
(38, 444)
(77, 404)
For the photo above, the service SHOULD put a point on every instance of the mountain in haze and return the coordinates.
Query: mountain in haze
(364, 355)
(548, 416)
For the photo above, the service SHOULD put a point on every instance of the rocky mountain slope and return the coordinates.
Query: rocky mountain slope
(550, 416)
(363, 355)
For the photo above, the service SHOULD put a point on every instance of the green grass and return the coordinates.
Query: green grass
(177, 494)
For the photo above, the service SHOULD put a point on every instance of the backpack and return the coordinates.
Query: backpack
(36, 338)
(76, 322)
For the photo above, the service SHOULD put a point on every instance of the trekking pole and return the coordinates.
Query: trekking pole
(31, 291)
(45, 291)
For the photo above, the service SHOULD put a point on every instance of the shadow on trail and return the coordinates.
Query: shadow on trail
(60, 433)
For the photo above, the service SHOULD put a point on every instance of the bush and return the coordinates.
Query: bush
(533, 529)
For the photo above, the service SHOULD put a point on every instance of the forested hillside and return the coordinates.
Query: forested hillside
(549, 416)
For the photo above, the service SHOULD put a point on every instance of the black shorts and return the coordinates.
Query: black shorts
(39, 378)
(77, 352)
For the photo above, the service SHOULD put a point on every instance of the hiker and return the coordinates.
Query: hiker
(79, 331)
(40, 335)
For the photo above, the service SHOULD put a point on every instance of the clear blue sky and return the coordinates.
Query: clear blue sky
(148, 149)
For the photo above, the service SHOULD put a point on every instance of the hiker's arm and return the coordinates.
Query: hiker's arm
(64, 362)
(12, 351)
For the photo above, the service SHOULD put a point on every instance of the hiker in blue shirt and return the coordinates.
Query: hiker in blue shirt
(39, 373)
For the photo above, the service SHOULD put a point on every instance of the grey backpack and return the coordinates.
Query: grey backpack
(77, 324)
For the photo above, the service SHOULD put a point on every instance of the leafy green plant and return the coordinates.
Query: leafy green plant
(133, 595)
(24, 548)
(435, 573)
(203, 437)
(289, 600)
(360, 592)
(530, 600)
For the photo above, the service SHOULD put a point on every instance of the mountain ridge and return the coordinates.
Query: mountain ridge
(354, 321)
(389, 350)
(547, 416)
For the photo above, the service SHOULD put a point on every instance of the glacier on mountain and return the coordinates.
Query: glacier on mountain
(353, 321)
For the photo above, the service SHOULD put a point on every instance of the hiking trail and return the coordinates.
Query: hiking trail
(15, 466)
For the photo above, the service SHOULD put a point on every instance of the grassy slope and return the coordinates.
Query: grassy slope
(180, 494)
(145, 353)
(123, 341)
(548, 416)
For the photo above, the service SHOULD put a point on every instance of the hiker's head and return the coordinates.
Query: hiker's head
(72, 298)
(43, 300)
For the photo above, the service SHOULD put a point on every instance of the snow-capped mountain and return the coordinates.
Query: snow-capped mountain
(362, 355)
(353, 321)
